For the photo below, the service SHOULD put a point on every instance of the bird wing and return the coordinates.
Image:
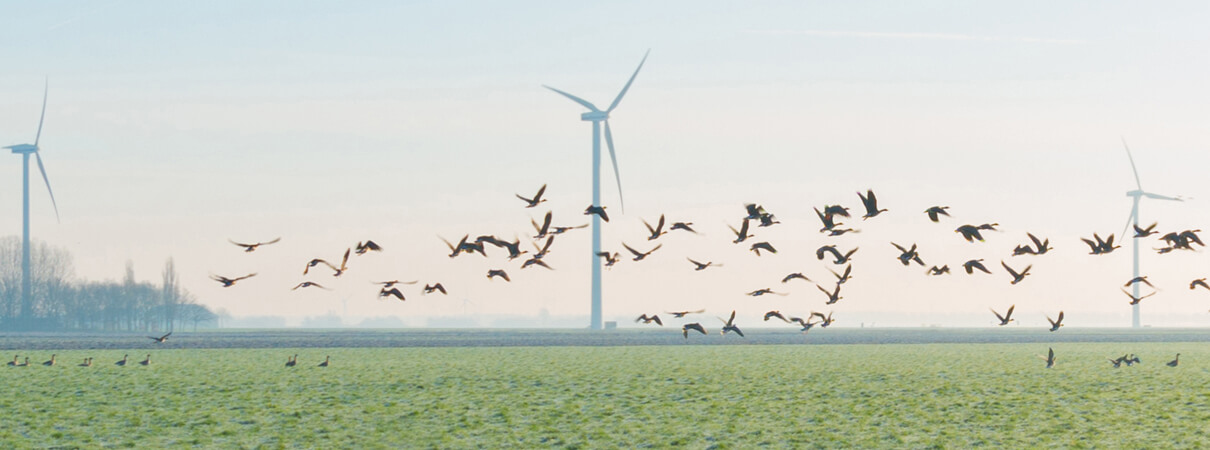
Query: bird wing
(657, 247)
(1037, 243)
(900, 247)
(998, 316)
(636, 252)
(743, 229)
(240, 244)
(649, 229)
(244, 277)
(660, 226)
(1010, 270)
(538, 196)
(1009, 314)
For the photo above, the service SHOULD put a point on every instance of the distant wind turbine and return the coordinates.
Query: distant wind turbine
(1138, 195)
(596, 116)
(25, 150)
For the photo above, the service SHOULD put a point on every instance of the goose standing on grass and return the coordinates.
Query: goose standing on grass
(291, 361)
(51, 362)
(1176, 361)
(87, 362)
(146, 362)
(122, 362)
(14, 361)
(325, 363)
(24, 364)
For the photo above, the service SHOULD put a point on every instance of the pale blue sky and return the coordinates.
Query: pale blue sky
(172, 127)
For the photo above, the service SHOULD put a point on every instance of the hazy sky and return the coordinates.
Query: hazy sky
(172, 127)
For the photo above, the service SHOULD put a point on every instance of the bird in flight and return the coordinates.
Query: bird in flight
(1139, 279)
(760, 292)
(839, 258)
(307, 284)
(682, 226)
(598, 210)
(796, 275)
(824, 320)
(768, 315)
(161, 339)
(973, 264)
(544, 228)
(757, 247)
(828, 219)
(908, 255)
(391, 292)
(1135, 300)
(833, 295)
(656, 231)
(871, 204)
(703, 266)
(1199, 282)
(492, 273)
(1007, 317)
(692, 326)
(228, 282)
(740, 234)
(1055, 324)
(344, 265)
(1049, 358)
(392, 283)
(253, 247)
(1100, 247)
(970, 233)
(935, 212)
(682, 314)
(532, 202)
(939, 270)
(729, 325)
(367, 246)
(638, 256)
(429, 289)
(1017, 277)
(648, 319)
(610, 258)
(1144, 232)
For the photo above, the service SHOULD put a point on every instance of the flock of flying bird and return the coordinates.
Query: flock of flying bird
(830, 216)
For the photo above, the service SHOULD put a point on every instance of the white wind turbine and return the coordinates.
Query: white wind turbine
(1138, 195)
(25, 150)
(596, 116)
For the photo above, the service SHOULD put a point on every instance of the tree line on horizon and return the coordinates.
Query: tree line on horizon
(59, 302)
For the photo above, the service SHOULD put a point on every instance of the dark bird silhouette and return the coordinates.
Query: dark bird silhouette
(87, 362)
(1100, 247)
(833, 295)
(307, 284)
(1144, 232)
(657, 231)
(970, 233)
(703, 266)
(313, 263)
(14, 361)
(392, 283)
(598, 210)
(536, 261)
(740, 234)
(228, 282)
(768, 315)
(1055, 324)
(121, 362)
(497, 273)
(935, 212)
(1176, 361)
(610, 258)
(1007, 317)
(638, 256)
(1182, 240)
(344, 264)
(760, 292)
(805, 324)
(540, 252)
(436, 287)
(253, 247)
(1049, 358)
(843, 277)
(146, 361)
(838, 258)
(939, 270)
(754, 211)
(462, 247)
(1135, 300)
(292, 361)
(767, 220)
(1199, 282)
(841, 231)
(871, 204)
(989, 226)
(648, 319)
(692, 326)
(561, 230)
(829, 221)
(682, 314)
(824, 321)
(1040, 246)
(795, 275)
(1017, 277)
(836, 210)
(327, 360)
(51, 362)
(973, 264)
(1139, 279)
(729, 325)
(682, 226)
(908, 255)
(161, 339)
(367, 246)
(391, 292)
(757, 247)
(1116, 362)
(542, 229)
(532, 202)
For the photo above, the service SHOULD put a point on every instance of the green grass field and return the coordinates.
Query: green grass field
(932, 395)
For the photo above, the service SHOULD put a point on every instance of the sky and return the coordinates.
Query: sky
(173, 127)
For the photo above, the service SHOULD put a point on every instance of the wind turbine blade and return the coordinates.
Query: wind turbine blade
(627, 87)
(613, 157)
(1162, 197)
(45, 91)
(42, 169)
(1133, 218)
(575, 99)
(1132, 167)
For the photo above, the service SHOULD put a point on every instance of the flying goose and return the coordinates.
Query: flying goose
(1144, 232)
(829, 222)
(692, 326)
(939, 270)
(1139, 279)
(1007, 317)
(871, 204)
(657, 231)
(228, 282)
(542, 229)
(839, 259)
(760, 292)
(703, 266)
(367, 246)
(429, 289)
(682, 226)
(777, 314)
(1135, 300)
(638, 256)
(740, 234)
(532, 202)
(648, 319)
(1017, 277)
(682, 314)
(1198, 282)
(757, 247)
(307, 284)
(796, 275)
(253, 247)
(824, 320)
(908, 255)
(392, 283)
(1100, 247)
(1055, 324)
(970, 233)
(598, 210)
(843, 277)
(936, 211)
(161, 339)
(610, 258)
(973, 264)
(729, 325)
(536, 261)
(498, 273)
(391, 292)
(833, 296)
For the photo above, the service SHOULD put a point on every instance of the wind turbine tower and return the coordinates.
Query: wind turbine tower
(1138, 195)
(25, 150)
(597, 116)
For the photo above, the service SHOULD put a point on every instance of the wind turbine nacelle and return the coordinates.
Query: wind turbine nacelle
(594, 116)
(23, 148)
(1134, 193)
